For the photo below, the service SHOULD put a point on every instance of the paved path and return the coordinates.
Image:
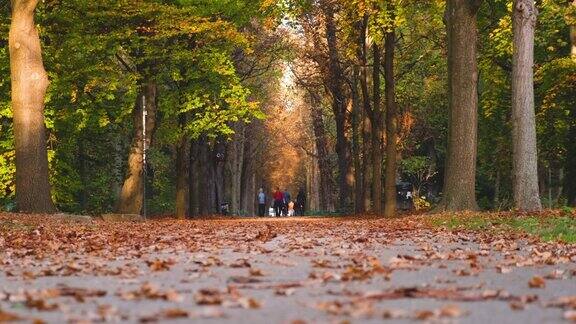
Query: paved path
(279, 271)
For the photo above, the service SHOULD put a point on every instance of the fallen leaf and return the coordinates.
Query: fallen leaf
(8, 317)
(537, 282)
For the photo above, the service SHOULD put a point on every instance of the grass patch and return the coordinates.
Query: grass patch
(559, 226)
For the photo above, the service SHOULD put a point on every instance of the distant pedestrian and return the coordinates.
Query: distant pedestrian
(278, 201)
(286, 198)
(291, 209)
(300, 202)
(261, 202)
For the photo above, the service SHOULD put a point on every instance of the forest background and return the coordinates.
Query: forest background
(298, 94)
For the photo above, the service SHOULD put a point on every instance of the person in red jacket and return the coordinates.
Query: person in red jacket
(278, 201)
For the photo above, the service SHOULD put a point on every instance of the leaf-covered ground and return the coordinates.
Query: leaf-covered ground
(290, 270)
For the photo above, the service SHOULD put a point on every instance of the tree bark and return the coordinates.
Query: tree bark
(194, 179)
(321, 142)
(391, 126)
(236, 166)
(29, 84)
(334, 82)
(356, 147)
(366, 116)
(525, 156)
(183, 174)
(460, 174)
(132, 194)
(570, 163)
(377, 125)
(573, 32)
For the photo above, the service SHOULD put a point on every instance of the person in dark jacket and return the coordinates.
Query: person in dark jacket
(300, 202)
(278, 201)
(286, 200)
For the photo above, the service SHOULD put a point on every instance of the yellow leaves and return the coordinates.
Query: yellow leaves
(267, 4)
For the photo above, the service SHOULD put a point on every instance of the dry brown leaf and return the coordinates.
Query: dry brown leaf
(8, 317)
(209, 297)
(451, 311)
(517, 305)
(249, 303)
(160, 265)
(537, 282)
(256, 272)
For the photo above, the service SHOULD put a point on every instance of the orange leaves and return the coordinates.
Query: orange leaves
(151, 291)
(8, 317)
(160, 265)
(209, 297)
(349, 267)
(537, 282)
(230, 298)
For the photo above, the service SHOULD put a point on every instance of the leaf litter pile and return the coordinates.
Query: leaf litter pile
(278, 270)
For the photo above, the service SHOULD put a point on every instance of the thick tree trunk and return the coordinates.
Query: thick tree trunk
(377, 126)
(460, 173)
(182, 177)
(334, 81)
(29, 84)
(235, 163)
(194, 178)
(391, 126)
(206, 176)
(219, 175)
(132, 194)
(525, 156)
(248, 183)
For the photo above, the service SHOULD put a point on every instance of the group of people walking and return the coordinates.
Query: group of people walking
(282, 203)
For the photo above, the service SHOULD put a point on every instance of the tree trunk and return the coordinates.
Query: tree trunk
(219, 178)
(83, 174)
(525, 156)
(334, 81)
(132, 194)
(206, 176)
(117, 165)
(573, 32)
(570, 166)
(367, 116)
(497, 190)
(183, 174)
(377, 125)
(559, 187)
(356, 147)
(248, 182)
(460, 173)
(325, 190)
(236, 166)
(367, 160)
(391, 126)
(29, 84)
(194, 178)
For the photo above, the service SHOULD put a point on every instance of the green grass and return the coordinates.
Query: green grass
(560, 228)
